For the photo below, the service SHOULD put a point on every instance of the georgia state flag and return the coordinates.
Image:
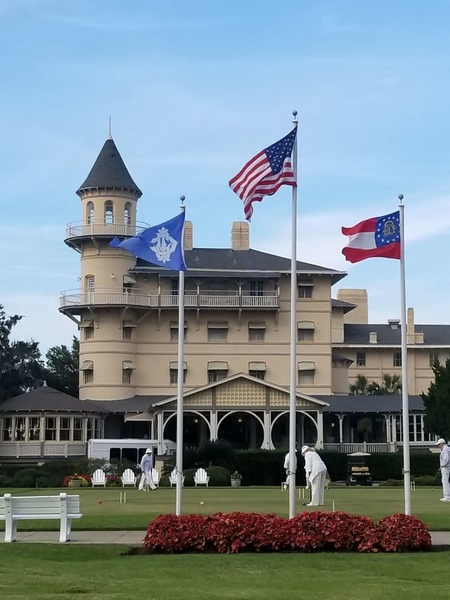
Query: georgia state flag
(375, 237)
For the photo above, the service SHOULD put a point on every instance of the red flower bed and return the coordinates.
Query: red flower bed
(307, 532)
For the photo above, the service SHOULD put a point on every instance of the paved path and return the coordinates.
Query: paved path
(134, 538)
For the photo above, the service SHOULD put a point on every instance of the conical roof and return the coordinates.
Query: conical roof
(109, 171)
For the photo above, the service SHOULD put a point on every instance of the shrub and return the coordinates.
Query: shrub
(219, 477)
(425, 480)
(392, 482)
(307, 532)
(26, 478)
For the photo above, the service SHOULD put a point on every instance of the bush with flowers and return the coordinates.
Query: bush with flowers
(113, 481)
(85, 480)
(307, 532)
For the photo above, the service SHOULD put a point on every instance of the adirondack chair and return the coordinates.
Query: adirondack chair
(201, 477)
(98, 478)
(173, 478)
(128, 478)
(155, 477)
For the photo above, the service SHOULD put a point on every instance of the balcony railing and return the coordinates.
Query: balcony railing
(226, 300)
(84, 228)
(42, 449)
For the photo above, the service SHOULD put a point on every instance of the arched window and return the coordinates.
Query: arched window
(109, 212)
(127, 214)
(90, 213)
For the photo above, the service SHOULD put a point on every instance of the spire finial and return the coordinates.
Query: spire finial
(109, 130)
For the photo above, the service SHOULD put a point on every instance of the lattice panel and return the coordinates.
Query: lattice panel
(241, 393)
(201, 399)
(279, 398)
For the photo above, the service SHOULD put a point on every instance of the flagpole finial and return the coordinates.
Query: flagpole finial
(294, 113)
(182, 198)
(400, 197)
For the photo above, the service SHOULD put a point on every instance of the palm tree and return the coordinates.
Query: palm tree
(364, 426)
(391, 384)
(360, 386)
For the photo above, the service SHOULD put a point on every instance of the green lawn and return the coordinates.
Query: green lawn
(101, 508)
(44, 571)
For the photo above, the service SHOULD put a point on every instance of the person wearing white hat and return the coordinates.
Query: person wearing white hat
(287, 468)
(146, 468)
(316, 472)
(445, 468)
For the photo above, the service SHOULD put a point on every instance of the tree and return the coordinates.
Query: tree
(62, 370)
(20, 362)
(437, 402)
(364, 426)
(360, 387)
(391, 384)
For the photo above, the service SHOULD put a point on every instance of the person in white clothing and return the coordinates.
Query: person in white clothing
(316, 472)
(445, 468)
(146, 468)
(287, 467)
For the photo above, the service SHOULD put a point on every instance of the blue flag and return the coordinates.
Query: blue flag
(161, 245)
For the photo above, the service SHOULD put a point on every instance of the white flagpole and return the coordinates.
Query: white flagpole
(179, 455)
(403, 331)
(293, 348)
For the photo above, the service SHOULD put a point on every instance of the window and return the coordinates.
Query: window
(7, 432)
(306, 370)
(217, 331)
(109, 212)
(88, 333)
(256, 331)
(257, 369)
(34, 429)
(256, 287)
(127, 214)
(64, 429)
(89, 283)
(360, 359)
(93, 428)
(433, 358)
(50, 429)
(305, 331)
(88, 376)
(174, 331)
(126, 376)
(77, 429)
(174, 376)
(90, 213)
(305, 290)
(397, 360)
(217, 370)
(174, 288)
(126, 333)
(20, 429)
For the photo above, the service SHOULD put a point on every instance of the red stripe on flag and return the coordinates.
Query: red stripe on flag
(366, 226)
(355, 255)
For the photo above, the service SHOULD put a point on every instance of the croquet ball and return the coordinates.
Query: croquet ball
(100, 501)
(202, 503)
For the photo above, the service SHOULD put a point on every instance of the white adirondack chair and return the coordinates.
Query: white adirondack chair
(98, 478)
(128, 478)
(201, 477)
(173, 478)
(155, 477)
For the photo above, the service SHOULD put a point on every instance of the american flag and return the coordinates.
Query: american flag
(265, 173)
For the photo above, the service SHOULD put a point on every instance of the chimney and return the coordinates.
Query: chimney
(240, 238)
(188, 236)
(410, 329)
(373, 337)
(360, 314)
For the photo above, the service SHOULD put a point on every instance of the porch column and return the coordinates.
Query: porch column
(85, 428)
(267, 440)
(319, 443)
(388, 429)
(152, 428)
(341, 428)
(213, 421)
(161, 446)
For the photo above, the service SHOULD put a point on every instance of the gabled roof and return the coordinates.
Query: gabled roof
(136, 404)
(221, 382)
(223, 262)
(109, 171)
(391, 403)
(434, 335)
(46, 398)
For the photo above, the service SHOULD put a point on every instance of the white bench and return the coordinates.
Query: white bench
(21, 508)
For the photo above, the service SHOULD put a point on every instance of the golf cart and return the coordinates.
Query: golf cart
(357, 471)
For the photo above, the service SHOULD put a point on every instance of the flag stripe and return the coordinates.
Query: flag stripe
(355, 255)
(363, 241)
(362, 227)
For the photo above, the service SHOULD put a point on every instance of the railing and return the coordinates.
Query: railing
(42, 449)
(83, 228)
(232, 299)
(348, 448)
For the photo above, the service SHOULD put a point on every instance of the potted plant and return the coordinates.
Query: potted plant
(236, 479)
(76, 481)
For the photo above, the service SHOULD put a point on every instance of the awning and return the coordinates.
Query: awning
(129, 324)
(145, 416)
(218, 325)
(306, 366)
(257, 366)
(128, 365)
(87, 323)
(87, 365)
(129, 279)
(174, 365)
(174, 325)
(217, 365)
(306, 325)
(256, 325)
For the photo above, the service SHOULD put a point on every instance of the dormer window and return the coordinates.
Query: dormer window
(109, 212)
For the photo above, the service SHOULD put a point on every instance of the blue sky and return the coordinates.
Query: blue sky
(196, 89)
